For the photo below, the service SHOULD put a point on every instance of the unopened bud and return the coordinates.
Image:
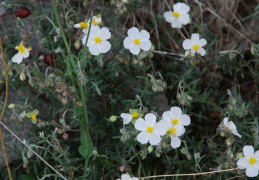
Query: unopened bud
(187, 53)
(77, 44)
(11, 106)
(150, 149)
(65, 136)
(113, 118)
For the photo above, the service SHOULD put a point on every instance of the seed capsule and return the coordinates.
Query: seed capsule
(22, 12)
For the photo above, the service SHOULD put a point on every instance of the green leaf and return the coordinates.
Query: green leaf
(86, 148)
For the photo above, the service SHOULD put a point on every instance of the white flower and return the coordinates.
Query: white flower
(137, 40)
(127, 177)
(179, 17)
(250, 162)
(85, 26)
(175, 117)
(150, 130)
(195, 44)
(231, 126)
(23, 53)
(174, 131)
(97, 41)
(128, 117)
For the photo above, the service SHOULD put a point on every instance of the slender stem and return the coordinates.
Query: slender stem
(85, 122)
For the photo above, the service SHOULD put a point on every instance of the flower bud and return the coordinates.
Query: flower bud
(97, 20)
(22, 12)
(187, 53)
(22, 76)
(77, 44)
(113, 118)
(65, 136)
(11, 106)
(150, 149)
(64, 101)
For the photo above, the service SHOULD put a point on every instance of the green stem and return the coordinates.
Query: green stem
(86, 124)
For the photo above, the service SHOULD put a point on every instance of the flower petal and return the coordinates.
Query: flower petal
(256, 155)
(175, 23)
(202, 42)
(243, 163)
(125, 177)
(248, 151)
(176, 7)
(126, 118)
(184, 19)
(144, 35)
(195, 38)
(77, 25)
(201, 51)
(175, 141)
(141, 124)
(146, 45)
(17, 58)
(105, 33)
(169, 16)
(154, 139)
(133, 33)
(135, 50)
(143, 137)
(251, 171)
(26, 54)
(185, 120)
(128, 43)
(176, 112)
(105, 46)
(94, 49)
(180, 130)
(187, 44)
(225, 121)
(150, 119)
(184, 8)
(160, 128)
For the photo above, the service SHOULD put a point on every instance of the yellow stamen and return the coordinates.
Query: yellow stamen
(176, 14)
(21, 48)
(172, 131)
(252, 160)
(83, 25)
(94, 22)
(175, 121)
(135, 115)
(150, 129)
(136, 41)
(33, 117)
(98, 40)
(196, 47)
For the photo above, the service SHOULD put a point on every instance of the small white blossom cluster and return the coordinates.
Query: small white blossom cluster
(180, 17)
(172, 124)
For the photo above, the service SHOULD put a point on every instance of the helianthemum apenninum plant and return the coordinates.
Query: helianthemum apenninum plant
(129, 89)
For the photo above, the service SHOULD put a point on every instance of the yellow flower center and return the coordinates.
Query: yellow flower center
(196, 47)
(21, 48)
(135, 115)
(83, 25)
(176, 14)
(33, 117)
(175, 121)
(252, 160)
(98, 40)
(150, 129)
(172, 130)
(136, 41)
(94, 22)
